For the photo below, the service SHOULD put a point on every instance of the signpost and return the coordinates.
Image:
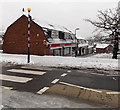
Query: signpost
(29, 9)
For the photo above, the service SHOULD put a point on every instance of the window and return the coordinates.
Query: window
(61, 35)
(83, 50)
(54, 34)
(47, 33)
(68, 36)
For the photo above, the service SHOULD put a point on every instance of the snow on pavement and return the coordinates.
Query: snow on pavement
(97, 61)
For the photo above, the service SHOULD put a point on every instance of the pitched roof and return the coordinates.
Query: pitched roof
(46, 25)
(102, 45)
(52, 26)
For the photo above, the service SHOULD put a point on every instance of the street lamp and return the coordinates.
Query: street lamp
(76, 52)
(29, 9)
(76, 30)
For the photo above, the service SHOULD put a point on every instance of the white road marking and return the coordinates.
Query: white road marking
(80, 87)
(97, 74)
(8, 88)
(69, 71)
(64, 74)
(43, 90)
(113, 92)
(27, 71)
(55, 81)
(14, 78)
(1, 106)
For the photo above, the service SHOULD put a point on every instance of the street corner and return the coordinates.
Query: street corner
(110, 98)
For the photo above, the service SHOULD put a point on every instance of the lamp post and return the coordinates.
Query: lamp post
(76, 30)
(29, 9)
(76, 51)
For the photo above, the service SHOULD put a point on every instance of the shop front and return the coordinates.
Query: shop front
(61, 49)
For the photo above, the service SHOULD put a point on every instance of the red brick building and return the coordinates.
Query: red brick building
(104, 48)
(44, 39)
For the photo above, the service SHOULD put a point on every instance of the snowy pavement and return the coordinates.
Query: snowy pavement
(100, 61)
(26, 100)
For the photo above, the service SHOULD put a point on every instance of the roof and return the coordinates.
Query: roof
(47, 25)
(52, 26)
(83, 45)
(102, 45)
(81, 38)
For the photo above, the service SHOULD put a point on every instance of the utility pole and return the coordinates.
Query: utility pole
(29, 9)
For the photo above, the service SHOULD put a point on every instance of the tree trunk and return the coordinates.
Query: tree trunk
(115, 49)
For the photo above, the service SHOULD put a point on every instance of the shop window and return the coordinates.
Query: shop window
(66, 50)
(57, 52)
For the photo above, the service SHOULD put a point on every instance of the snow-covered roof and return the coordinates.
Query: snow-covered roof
(81, 38)
(83, 45)
(52, 26)
(102, 45)
(90, 46)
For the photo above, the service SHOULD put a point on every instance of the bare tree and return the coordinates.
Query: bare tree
(109, 23)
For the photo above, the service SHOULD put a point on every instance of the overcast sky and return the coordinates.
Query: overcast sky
(68, 13)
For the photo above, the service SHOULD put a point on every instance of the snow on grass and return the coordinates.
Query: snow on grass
(100, 61)
(102, 55)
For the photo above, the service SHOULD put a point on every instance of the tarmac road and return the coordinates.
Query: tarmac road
(23, 86)
(38, 80)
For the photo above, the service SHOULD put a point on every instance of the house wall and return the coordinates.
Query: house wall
(83, 51)
(16, 38)
(108, 49)
(90, 50)
(100, 50)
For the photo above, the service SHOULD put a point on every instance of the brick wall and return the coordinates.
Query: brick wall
(15, 40)
(108, 49)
